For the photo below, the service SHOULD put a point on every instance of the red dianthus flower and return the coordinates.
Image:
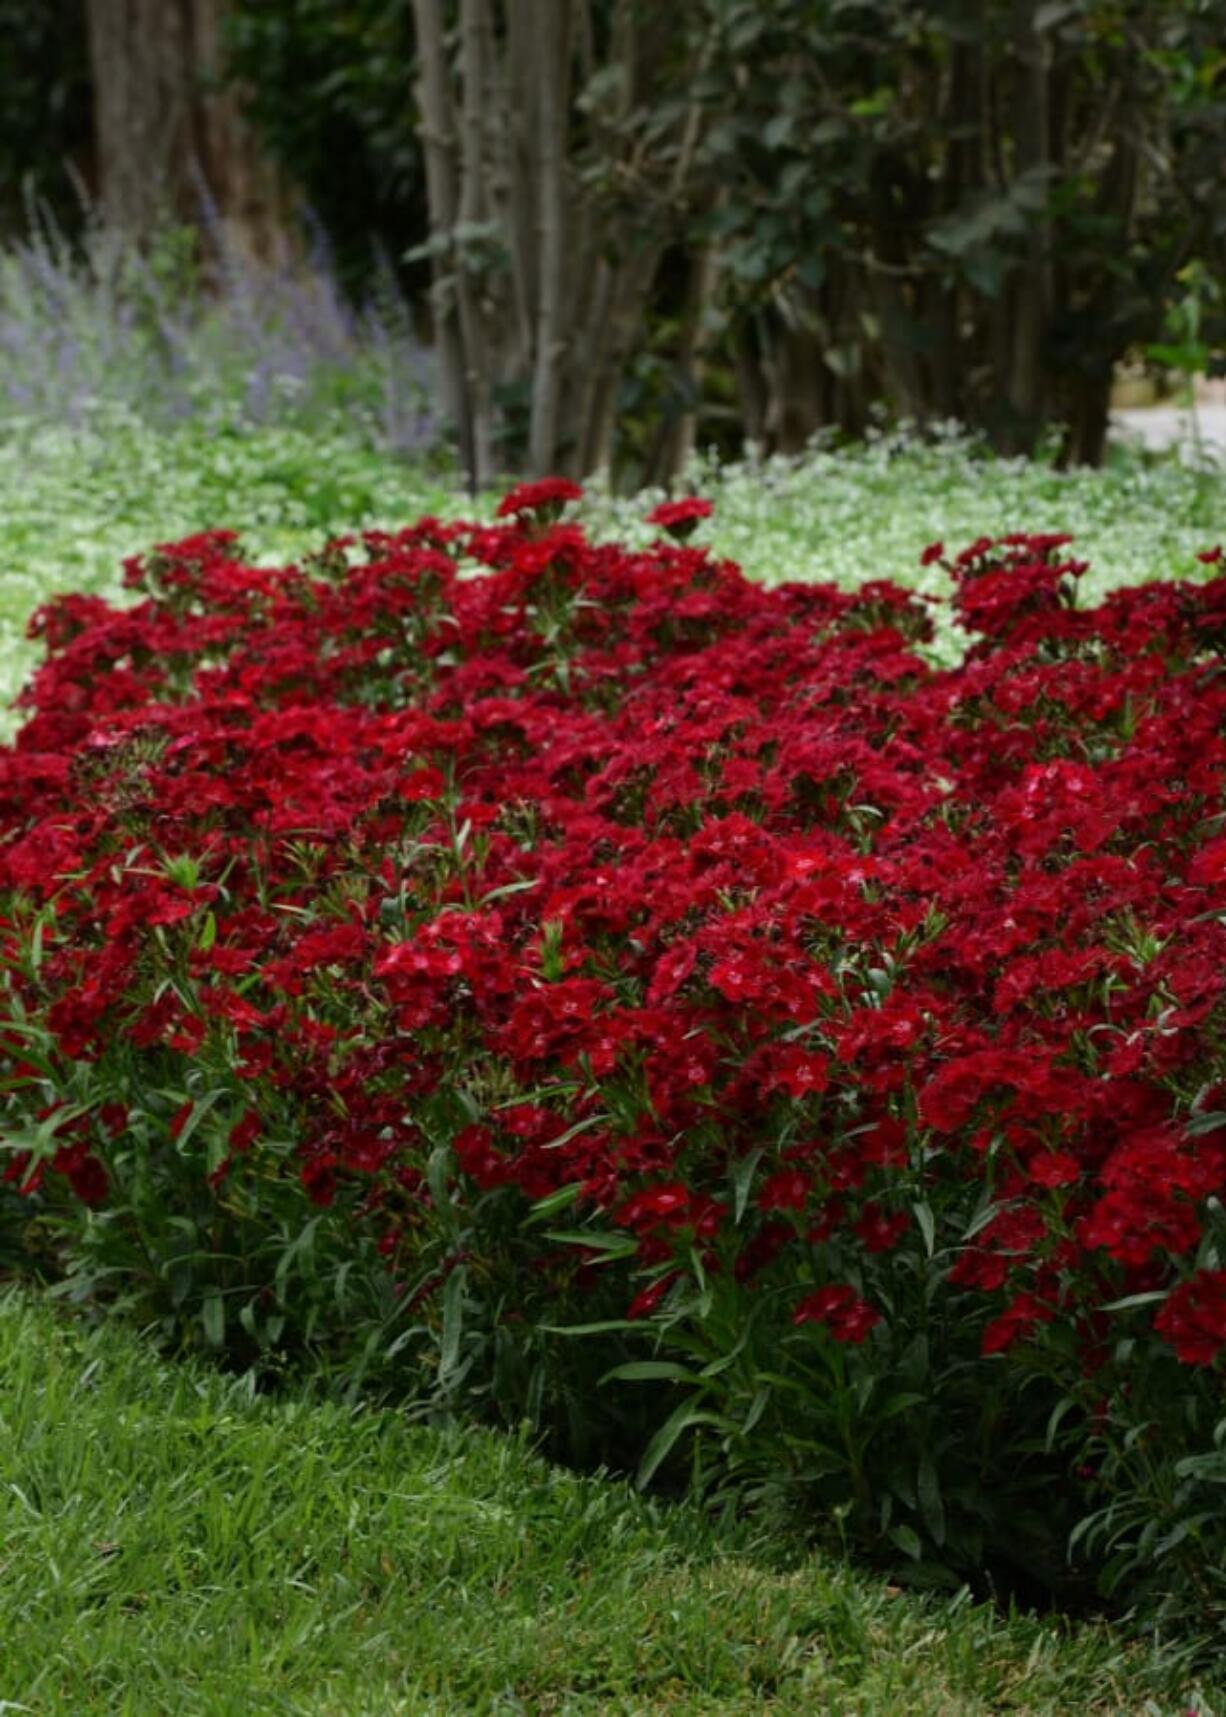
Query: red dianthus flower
(848, 1317)
(680, 518)
(550, 493)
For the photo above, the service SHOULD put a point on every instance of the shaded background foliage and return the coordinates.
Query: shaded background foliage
(330, 90)
(45, 116)
(969, 209)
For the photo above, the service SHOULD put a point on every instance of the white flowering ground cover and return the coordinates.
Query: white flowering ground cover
(74, 502)
(868, 512)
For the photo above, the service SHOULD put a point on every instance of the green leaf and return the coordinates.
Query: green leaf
(213, 1317)
(908, 1541)
(1058, 1413)
(684, 1419)
(756, 1409)
(928, 1226)
(778, 131)
(301, 1247)
(988, 1214)
(453, 1322)
(36, 942)
(199, 1111)
(1053, 13)
(1149, 1298)
(510, 888)
(742, 1181)
(931, 1506)
(899, 1404)
(650, 1371)
(437, 1170)
(613, 1246)
(584, 1126)
(548, 1206)
(603, 1327)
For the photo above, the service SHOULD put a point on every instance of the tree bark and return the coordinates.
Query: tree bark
(679, 434)
(252, 198)
(551, 331)
(473, 211)
(1024, 391)
(172, 142)
(438, 139)
(543, 268)
(140, 59)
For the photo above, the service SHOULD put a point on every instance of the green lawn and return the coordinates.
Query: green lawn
(171, 1544)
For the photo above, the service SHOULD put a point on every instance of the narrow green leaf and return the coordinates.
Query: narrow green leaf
(899, 1404)
(437, 1171)
(603, 1327)
(650, 1371)
(742, 1181)
(548, 1206)
(509, 888)
(584, 1126)
(931, 1506)
(685, 1418)
(453, 1322)
(612, 1245)
(927, 1226)
(1149, 1298)
(199, 1111)
(213, 1317)
(908, 1541)
(756, 1409)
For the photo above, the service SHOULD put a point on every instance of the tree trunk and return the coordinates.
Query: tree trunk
(679, 433)
(552, 114)
(439, 147)
(893, 187)
(541, 274)
(1023, 371)
(751, 384)
(253, 200)
(143, 98)
(1088, 414)
(172, 142)
(474, 208)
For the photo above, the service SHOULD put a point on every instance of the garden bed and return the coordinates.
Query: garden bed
(571, 983)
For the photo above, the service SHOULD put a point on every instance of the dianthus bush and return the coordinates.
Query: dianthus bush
(583, 986)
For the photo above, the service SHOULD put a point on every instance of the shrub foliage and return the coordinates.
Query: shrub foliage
(582, 986)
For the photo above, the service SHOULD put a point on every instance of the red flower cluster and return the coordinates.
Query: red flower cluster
(680, 518)
(840, 1308)
(616, 872)
(549, 494)
(1193, 1316)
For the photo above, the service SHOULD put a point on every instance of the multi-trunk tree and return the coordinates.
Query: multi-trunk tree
(561, 147)
(962, 209)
